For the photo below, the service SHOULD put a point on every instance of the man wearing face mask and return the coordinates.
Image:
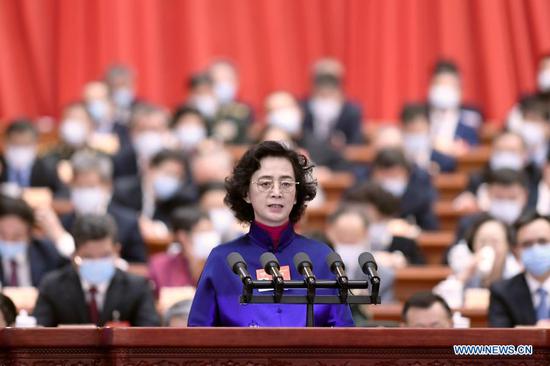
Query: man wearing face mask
(413, 186)
(283, 112)
(508, 152)
(328, 115)
(149, 133)
(164, 186)
(194, 237)
(20, 164)
(91, 289)
(24, 258)
(524, 298)
(120, 80)
(190, 129)
(453, 127)
(232, 114)
(91, 190)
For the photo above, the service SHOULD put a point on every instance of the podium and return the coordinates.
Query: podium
(264, 346)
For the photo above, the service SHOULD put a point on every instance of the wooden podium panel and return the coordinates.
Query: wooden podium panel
(265, 346)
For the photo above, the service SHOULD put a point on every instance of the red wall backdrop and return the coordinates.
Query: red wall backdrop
(50, 48)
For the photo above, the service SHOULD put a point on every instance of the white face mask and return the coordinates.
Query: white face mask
(123, 97)
(204, 242)
(20, 157)
(73, 132)
(98, 109)
(350, 255)
(532, 133)
(165, 186)
(395, 186)
(207, 105)
(486, 261)
(506, 160)
(444, 97)
(190, 136)
(148, 144)
(90, 200)
(222, 220)
(506, 210)
(225, 91)
(287, 119)
(379, 236)
(325, 110)
(416, 143)
(543, 80)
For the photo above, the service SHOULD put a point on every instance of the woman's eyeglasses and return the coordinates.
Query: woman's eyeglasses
(266, 185)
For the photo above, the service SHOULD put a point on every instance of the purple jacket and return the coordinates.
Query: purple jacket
(216, 301)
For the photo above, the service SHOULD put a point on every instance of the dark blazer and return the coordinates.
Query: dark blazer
(409, 248)
(125, 162)
(349, 121)
(61, 300)
(511, 303)
(42, 175)
(418, 199)
(128, 192)
(446, 163)
(129, 235)
(43, 257)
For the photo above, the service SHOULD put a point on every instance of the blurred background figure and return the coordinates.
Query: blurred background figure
(190, 129)
(8, 312)
(426, 310)
(120, 80)
(177, 314)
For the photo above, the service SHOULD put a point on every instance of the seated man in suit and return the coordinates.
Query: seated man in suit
(92, 289)
(524, 298)
(426, 310)
(20, 164)
(25, 258)
(328, 115)
(164, 186)
(411, 185)
(91, 191)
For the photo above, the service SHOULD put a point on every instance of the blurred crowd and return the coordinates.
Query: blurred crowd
(112, 218)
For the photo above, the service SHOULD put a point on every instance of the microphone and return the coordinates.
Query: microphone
(271, 265)
(303, 264)
(337, 266)
(369, 267)
(238, 266)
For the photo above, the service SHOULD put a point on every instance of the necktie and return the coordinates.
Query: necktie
(14, 280)
(543, 311)
(92, 306)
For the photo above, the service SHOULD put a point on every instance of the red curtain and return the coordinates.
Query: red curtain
(50, 48)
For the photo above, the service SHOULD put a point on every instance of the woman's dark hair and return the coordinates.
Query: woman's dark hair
(7, 307)
(372, 193)
(478, 223)
(237, 185)
(185, 218)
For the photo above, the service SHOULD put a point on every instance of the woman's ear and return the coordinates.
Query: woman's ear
(246, 199)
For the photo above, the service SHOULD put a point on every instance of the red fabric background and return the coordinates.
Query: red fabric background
(50, 48)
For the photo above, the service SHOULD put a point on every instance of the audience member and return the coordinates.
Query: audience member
(20, 165)
(190, 129)
(91, 192)
(328, 115)
(92, 289)
(120, 80)
(543, 190)
(194, 237)
(177, 314)
(523, 299)
(25, 258)
(212, 196)
(8, 312)
(426, 310)
(410, 184)
(454, 128)
(96, 98)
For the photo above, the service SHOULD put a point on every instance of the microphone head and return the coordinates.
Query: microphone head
(267, 259)
(366, 258)
(334, 258)
(233, 259)
(302, 260)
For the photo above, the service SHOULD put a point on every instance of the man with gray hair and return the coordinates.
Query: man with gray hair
(91, 191)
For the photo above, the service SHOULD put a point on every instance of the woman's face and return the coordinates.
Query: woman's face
(272, 192)
(491, 233)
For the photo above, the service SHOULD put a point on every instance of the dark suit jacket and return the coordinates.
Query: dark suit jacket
(511, 303)
(418, 199)
(129, 235)
(42, 175)
(348, 123)
(128, 193)
(445, 162)
(409, 248)
(43, 257)
(61, 300)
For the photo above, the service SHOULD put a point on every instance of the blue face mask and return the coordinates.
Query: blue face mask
(97, 271)
(11, 249)
(536, 259)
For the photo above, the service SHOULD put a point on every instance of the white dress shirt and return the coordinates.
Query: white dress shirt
(534, 285)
